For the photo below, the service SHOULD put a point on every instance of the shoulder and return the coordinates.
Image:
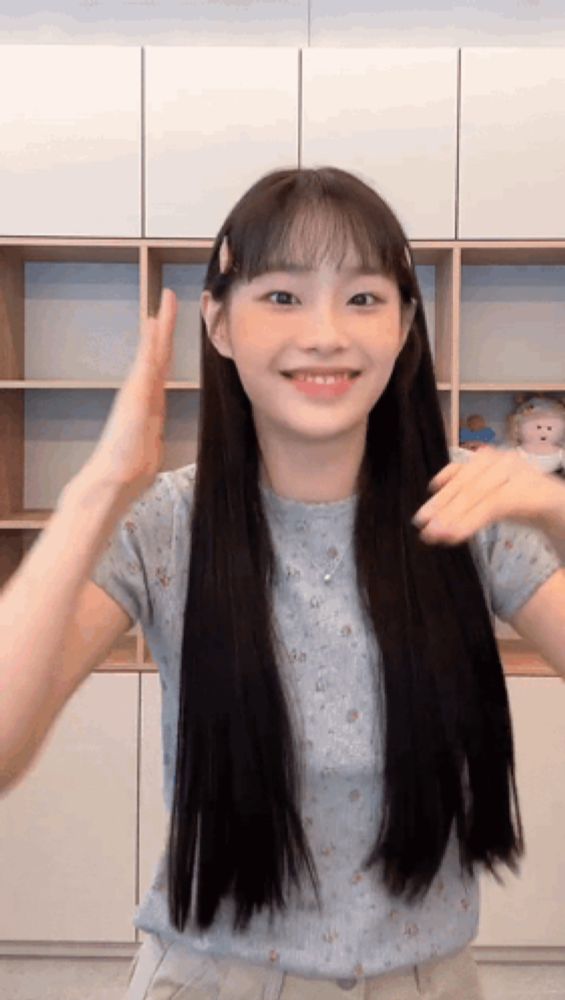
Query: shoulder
(513, 559)
(175, 489)
(158, 505)
(178, 482)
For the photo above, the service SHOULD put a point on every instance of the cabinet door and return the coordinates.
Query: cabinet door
(530, 908)
(153, 816)
(70, 121)
(68, 831)
(216, 120)
(512, 149)
(389, 116)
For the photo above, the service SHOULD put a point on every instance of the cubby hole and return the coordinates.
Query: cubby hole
(69, 325)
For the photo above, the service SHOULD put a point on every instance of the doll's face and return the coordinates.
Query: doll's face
(544, 427)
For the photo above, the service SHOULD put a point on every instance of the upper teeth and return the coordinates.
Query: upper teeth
(328, 379)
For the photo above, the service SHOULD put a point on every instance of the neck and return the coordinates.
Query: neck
(312, 472)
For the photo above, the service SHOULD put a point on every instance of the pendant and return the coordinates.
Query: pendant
(327, 577)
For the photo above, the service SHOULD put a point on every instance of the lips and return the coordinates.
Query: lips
(329, 373)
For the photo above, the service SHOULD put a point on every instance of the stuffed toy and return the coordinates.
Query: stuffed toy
(474, 433)
(536, 429)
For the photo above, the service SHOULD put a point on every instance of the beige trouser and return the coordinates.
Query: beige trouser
(162, 971)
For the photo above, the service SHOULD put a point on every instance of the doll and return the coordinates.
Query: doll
(474, 433)
(536, 429)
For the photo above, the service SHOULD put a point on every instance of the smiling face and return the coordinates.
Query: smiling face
(329, 319)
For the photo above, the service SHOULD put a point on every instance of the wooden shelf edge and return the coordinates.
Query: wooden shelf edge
(196, 250)
(126, 668)
(71, 384)
(512, 386)
(525, 663)
(520, 659)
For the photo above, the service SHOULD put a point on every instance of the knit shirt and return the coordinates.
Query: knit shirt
(329, 661)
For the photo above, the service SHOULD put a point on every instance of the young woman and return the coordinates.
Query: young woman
(338, 752)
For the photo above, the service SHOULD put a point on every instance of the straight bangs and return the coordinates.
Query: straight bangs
(305, 221)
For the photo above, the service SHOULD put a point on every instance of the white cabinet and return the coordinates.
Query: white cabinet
(512, 149)
(68, 830)
(70, 128)
(216, 120)
(389, 116)
(70, 121)
(153, 816)
(68, 837)
(530, 909)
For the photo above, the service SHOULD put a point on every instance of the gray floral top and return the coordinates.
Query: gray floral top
(329, 656)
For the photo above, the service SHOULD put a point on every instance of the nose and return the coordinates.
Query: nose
(322, 329)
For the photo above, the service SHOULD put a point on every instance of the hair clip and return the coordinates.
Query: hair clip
(225, 257)
(408, 255)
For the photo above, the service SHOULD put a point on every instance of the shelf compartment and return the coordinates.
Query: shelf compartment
(512, 323)
(494, 406)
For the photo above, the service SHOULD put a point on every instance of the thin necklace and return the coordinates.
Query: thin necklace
(328, 575)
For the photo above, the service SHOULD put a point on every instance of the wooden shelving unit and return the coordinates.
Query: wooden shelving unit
(449, 263)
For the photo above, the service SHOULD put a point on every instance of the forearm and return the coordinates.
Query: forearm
(38, 602)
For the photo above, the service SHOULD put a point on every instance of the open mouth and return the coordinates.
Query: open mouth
(322, 387)
(332, 379)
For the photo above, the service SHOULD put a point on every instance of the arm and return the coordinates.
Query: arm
(38, 602)
(541, 621)
(500, 487)
(38, 605)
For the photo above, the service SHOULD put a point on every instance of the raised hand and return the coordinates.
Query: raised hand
(130, 450)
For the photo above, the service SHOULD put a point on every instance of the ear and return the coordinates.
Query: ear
(407, 314)
(214, 318)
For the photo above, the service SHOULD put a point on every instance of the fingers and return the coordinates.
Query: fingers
(164, 302)
(455, 485)
(166, 320)
(167, 309)
(494, 485)
(454, 528)
(448, 483)
(157, 340)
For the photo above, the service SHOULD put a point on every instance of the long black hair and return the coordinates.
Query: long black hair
(235, 828)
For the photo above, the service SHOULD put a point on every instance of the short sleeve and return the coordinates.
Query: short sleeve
(513, 559)
(138, 552)
(518, 559)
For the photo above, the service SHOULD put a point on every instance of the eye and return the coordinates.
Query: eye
(358, 295)
(268, 296)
